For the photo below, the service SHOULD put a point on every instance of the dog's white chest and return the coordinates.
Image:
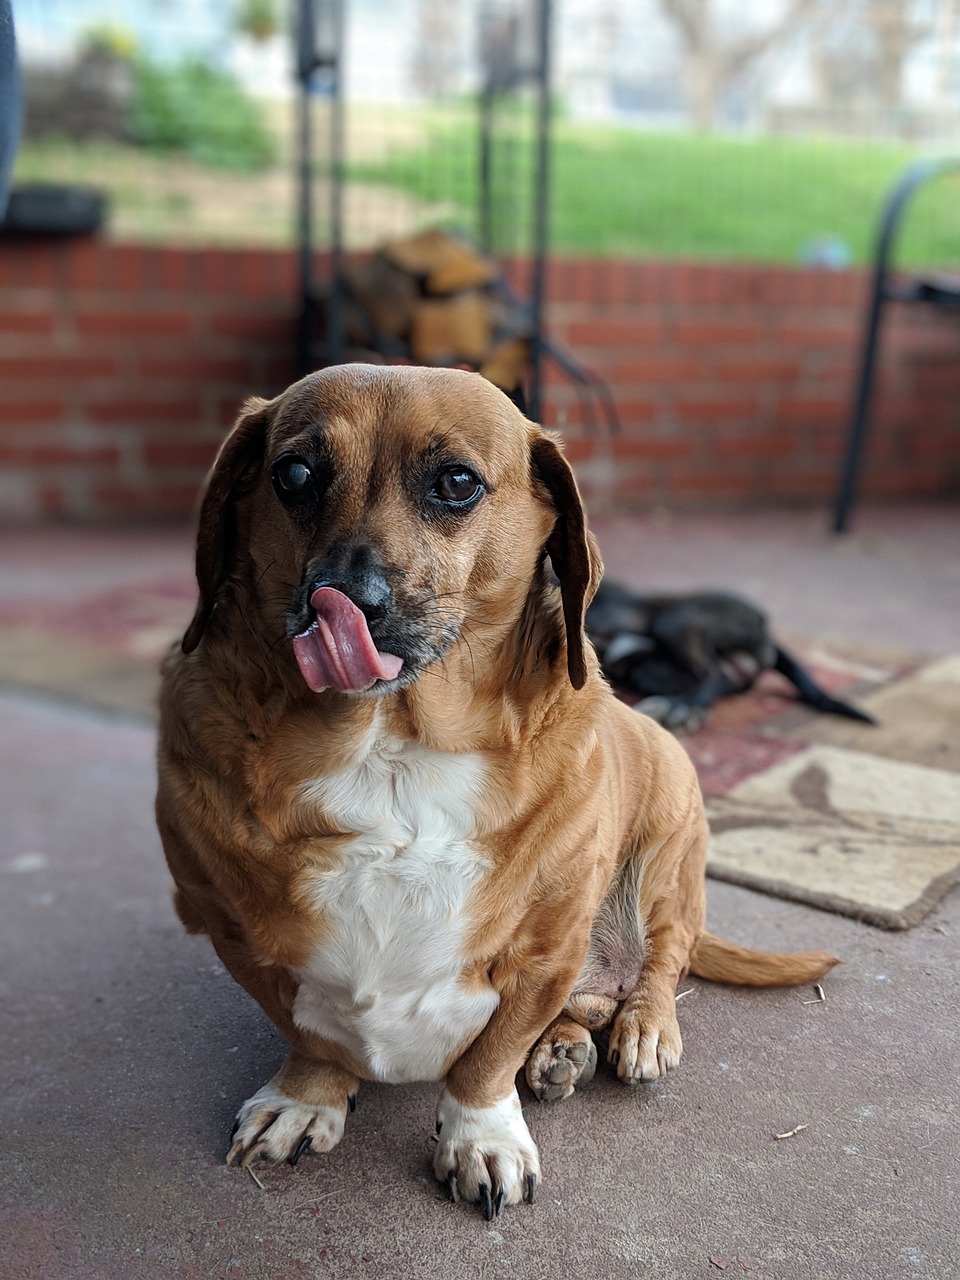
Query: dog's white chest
(386, 982)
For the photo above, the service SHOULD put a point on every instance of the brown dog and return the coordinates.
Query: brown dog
(395, 790)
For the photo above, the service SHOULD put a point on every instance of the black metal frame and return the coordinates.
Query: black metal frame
(496, 85)
(319, 48)
(919, 289)
(320, 69)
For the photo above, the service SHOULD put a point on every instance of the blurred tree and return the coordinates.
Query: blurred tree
(712, 61)
(948, 28)
(257, 18)
(859, 50)
(435, 67)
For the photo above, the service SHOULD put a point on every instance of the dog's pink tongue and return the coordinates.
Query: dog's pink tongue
(337, 651)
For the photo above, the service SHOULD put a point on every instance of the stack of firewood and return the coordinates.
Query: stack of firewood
(431, 299)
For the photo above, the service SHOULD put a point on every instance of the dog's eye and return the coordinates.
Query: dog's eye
(457, 487)
(292, 478)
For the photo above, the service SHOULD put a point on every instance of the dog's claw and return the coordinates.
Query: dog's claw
(498, 1203)
(530, 1190)
(614, 1057)
(486, 1200)
(306, 1142)
(452, 1187)
(352, 1101)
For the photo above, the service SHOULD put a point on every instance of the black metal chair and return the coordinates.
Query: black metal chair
(940, 290)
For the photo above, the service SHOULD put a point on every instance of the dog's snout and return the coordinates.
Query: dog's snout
(357, 573)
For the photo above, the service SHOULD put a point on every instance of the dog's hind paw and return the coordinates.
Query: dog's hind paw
(271, 1126)
(486, 1154)
(565, 1059)
(643, 1046)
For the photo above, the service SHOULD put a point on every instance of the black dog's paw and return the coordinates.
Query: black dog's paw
(672, 713)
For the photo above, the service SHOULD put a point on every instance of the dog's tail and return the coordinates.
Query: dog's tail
(811, 693)
(720, 961)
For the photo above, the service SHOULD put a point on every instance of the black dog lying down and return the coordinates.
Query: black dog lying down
(679, 654)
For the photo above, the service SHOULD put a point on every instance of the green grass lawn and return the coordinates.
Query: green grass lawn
(615, 192)
(620, 192)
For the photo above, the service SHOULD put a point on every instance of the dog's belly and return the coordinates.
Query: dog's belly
(387, 980)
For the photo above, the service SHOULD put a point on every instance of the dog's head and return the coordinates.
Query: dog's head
(377, 517)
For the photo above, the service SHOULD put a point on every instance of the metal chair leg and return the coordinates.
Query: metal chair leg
(861, 409)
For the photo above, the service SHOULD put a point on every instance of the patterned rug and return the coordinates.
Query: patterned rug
(848, 817)
(860, 819)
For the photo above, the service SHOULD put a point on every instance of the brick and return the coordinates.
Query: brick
(126, 267)
(655, 447)
(176, 270)
(233, 369)
(136, 324)
(258, 326)
(254, 275)
(286, 264)
(32, 411)
(52, 501)
(652, 370)
(579, 448)
(754, 371)
(218, 271)
(57, 454)
(755, 445)
(147, 410)
(715, 332)
(197, 455)
(30, 322)
(57, 366)
(608, 333)
(802, 483)
(708, 409)
(31, 265)
(86, 264)
(814, 337)
(146, 500)
(715, 480)
(631, 412)
(808, 413)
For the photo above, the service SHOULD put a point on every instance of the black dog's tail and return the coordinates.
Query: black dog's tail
(811, 693)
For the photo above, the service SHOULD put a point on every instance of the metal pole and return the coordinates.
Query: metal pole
(305, 62)
(541, 204)
(336, 338)
(914, 176)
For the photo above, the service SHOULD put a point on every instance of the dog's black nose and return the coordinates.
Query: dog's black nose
(357, 573)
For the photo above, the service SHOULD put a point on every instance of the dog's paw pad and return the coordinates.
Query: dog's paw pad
(485, 1154)
(644, 1048)
(271, 1126)
(558, 1066)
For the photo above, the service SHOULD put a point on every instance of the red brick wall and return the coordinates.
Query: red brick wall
(734, 385)
(121, 367)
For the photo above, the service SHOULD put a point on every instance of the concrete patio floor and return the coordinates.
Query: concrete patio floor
(125, 1049)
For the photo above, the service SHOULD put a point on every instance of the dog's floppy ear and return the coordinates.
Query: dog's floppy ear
(572, 549)
(234, 471)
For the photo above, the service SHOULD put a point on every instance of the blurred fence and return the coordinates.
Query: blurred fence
(768, 133)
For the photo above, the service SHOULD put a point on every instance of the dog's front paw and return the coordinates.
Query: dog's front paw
(564, 1060)
(272, 1126)
(644, 1045)
(486, 1154)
